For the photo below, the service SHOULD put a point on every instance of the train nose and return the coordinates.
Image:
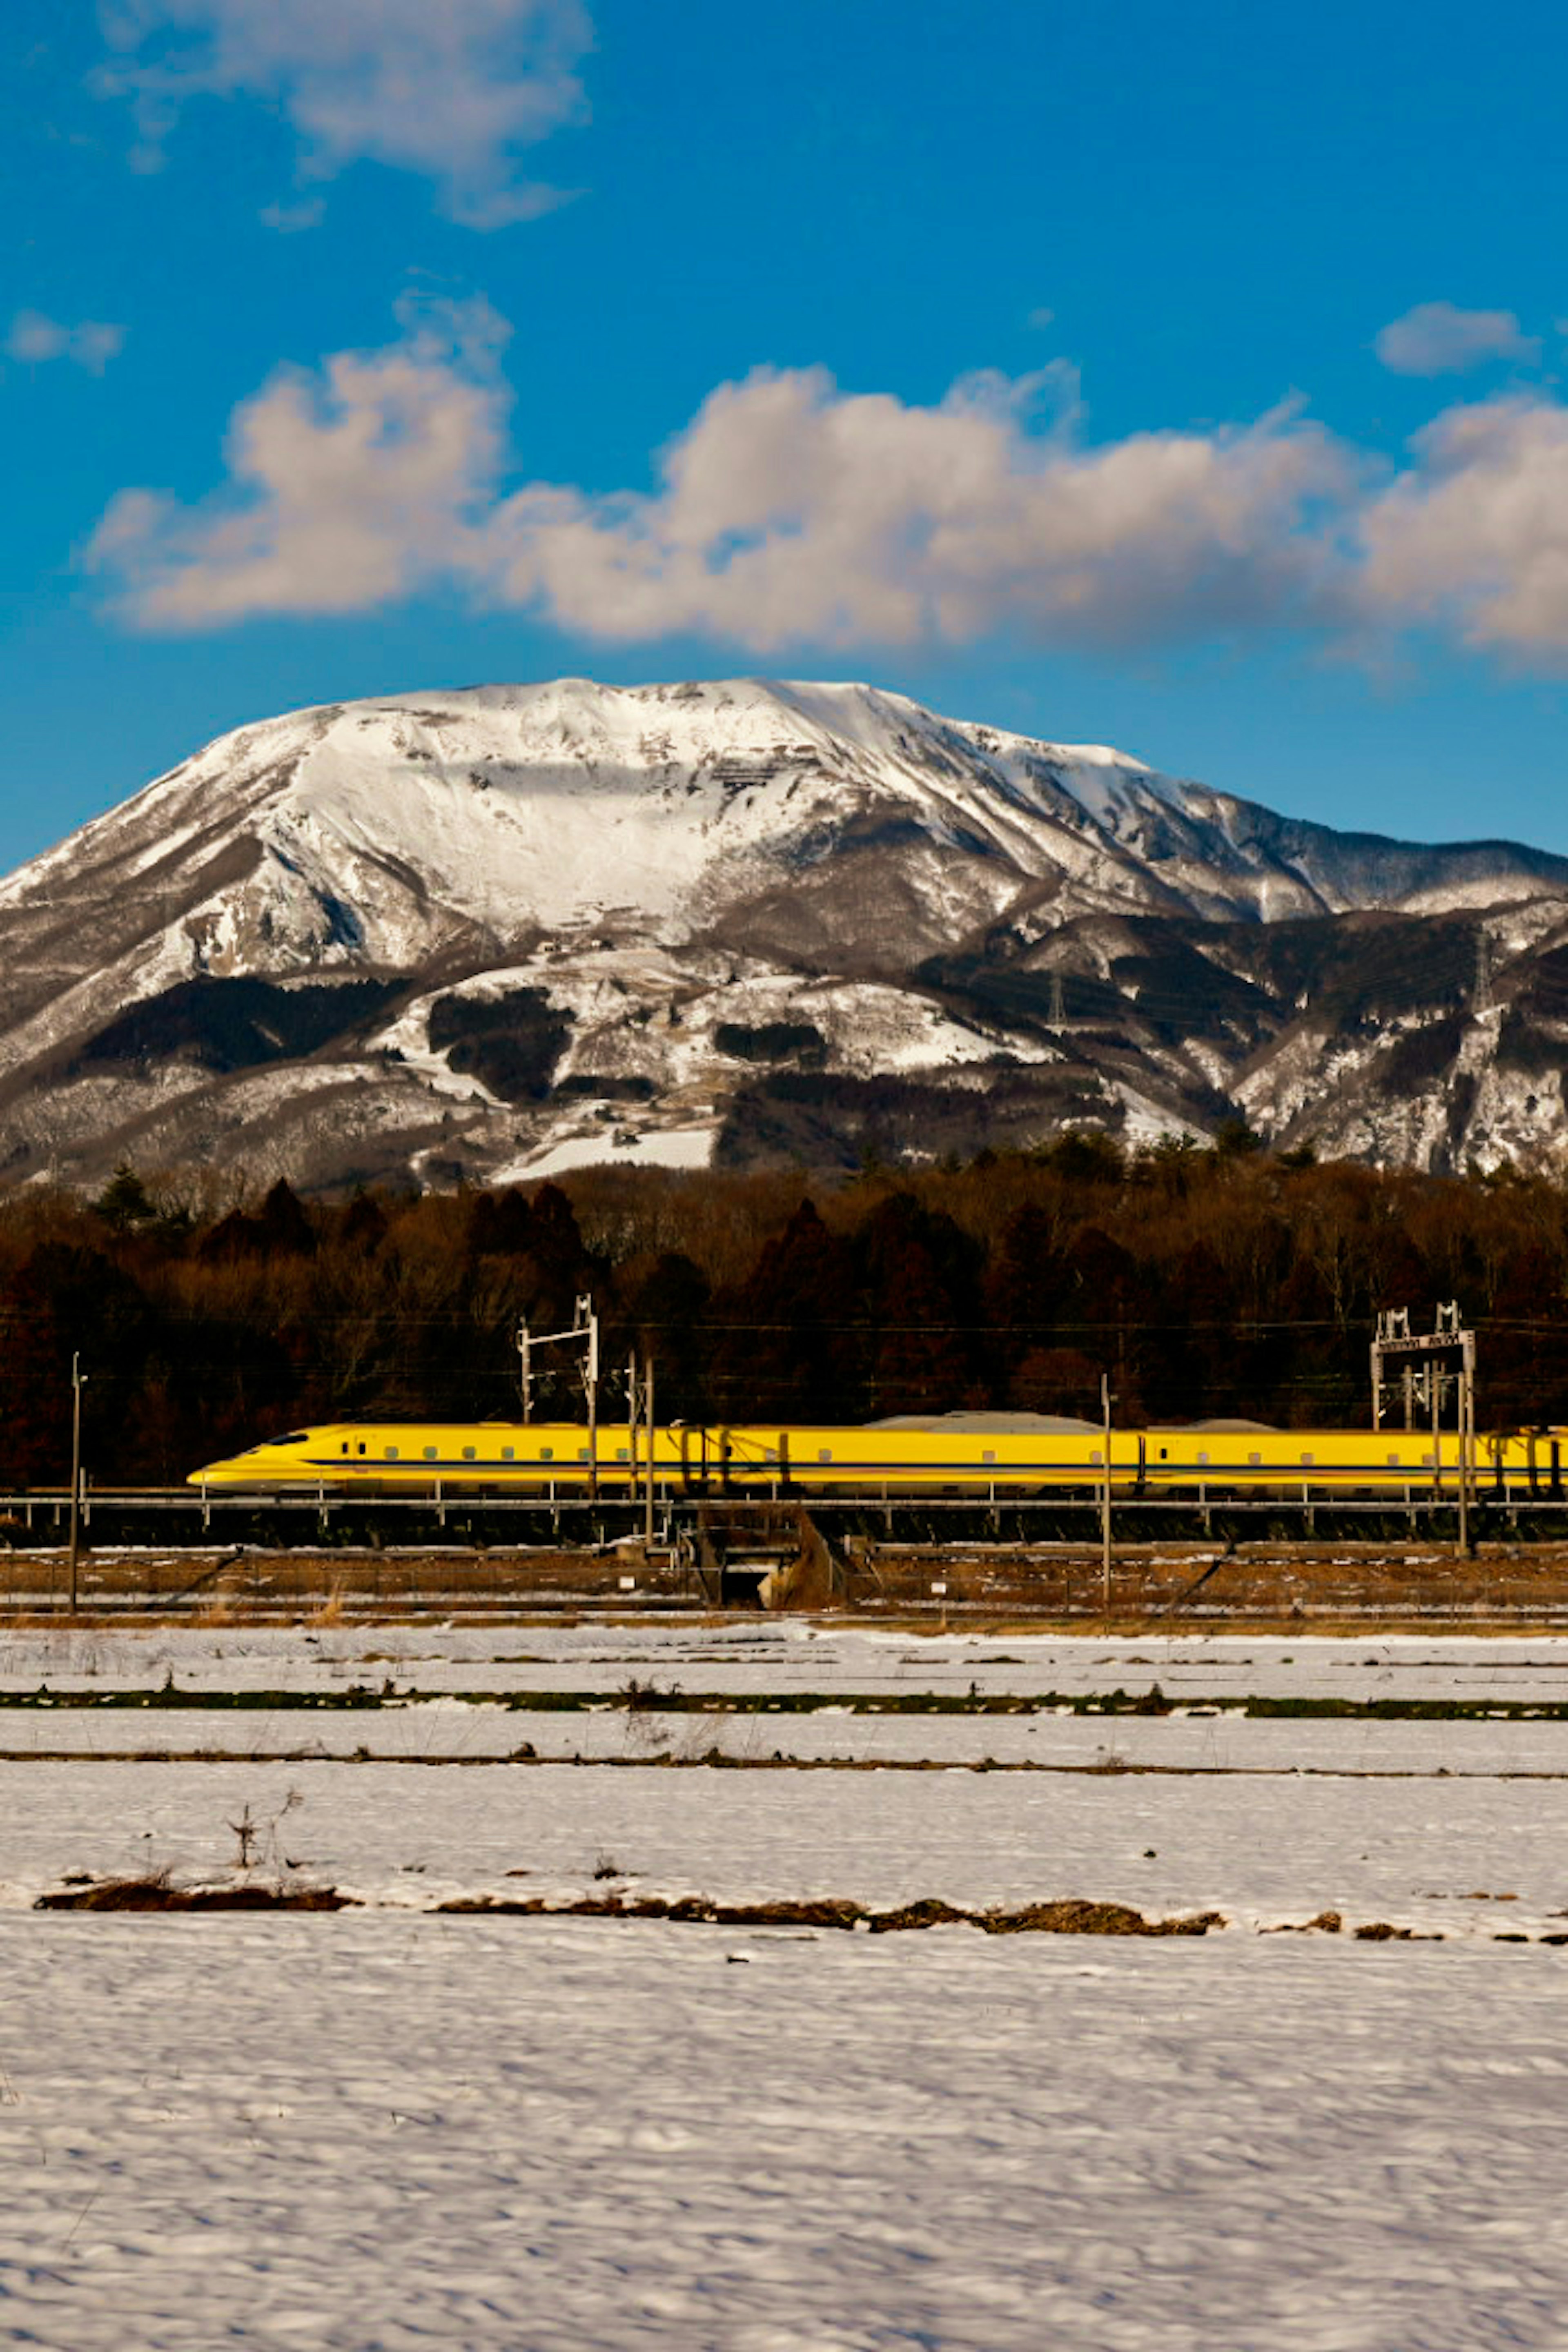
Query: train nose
(214, 1472)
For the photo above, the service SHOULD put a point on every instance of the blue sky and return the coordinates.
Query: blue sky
(1188, 380)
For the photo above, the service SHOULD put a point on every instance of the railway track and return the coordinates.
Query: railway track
(187, 1517)
(1163, 1584)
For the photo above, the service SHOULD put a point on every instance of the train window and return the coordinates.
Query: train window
(429, 1454)
(344, 1446)
(582, 1453)
(1203, 1457)
(770, 1454)
(1394, 1461)
(620, 1454)
(362, 1449)
(1095, 1456)
(1164, 1452)
(1255, 1457)
(468, 1452)
(989, 1454)
(825, 1453)
(1426, 1462)
(1307, 1461)
(547, 1453)
(507, 1453)
(389, 1452)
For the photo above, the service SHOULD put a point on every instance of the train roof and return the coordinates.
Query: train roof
(1044, 1424)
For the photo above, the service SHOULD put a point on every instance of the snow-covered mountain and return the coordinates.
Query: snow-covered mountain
(504, 929)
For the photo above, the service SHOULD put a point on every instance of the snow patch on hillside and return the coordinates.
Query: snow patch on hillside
(623, 1147)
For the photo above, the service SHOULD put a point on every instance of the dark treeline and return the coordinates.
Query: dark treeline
(1207, 1283)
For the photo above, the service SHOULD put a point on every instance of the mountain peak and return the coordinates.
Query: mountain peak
(486, 927)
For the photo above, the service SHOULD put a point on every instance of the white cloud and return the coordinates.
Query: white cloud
(449, 88)
(791, 513)
(1436, 338)
(346, 489)
(90, 344)
(788, 512)
(1474, 534)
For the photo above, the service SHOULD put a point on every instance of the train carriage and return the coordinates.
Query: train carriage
(961, 1455)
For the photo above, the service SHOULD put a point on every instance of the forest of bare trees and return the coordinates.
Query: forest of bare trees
(1207, 1281)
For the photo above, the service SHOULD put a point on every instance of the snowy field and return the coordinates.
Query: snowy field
(394, 2126)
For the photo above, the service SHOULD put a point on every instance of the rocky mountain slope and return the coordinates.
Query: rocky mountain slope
(500, 931)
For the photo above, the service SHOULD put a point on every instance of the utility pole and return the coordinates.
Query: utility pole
(585, 1327)
(589, 1323)
(1467, 1440)
(1433, 1363)
(633, 1402)
(1105, 1495)
(647, 1486)
(79, 1380)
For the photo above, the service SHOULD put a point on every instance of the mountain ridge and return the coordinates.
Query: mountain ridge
(763, 920)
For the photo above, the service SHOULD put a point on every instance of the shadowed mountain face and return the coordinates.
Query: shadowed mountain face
(505, 930)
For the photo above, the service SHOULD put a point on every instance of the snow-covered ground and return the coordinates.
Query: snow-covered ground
(391, 2126)
(780, 1655)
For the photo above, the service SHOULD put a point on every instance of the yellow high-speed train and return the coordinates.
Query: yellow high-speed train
(962, 1454)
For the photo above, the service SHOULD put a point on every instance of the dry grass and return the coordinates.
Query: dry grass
(1071, 1918)
(155, 1890)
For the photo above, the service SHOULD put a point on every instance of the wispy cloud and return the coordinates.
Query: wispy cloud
(305, 212)
(92, 343)
(792, 512)
(1436, 338)
(454, 89)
